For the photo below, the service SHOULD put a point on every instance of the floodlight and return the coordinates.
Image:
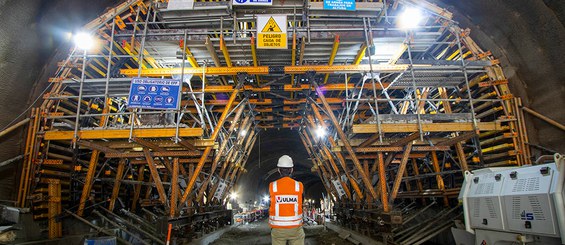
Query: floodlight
(83, 40)
(410, 18)
(265, 198)
(320, 132)
(233, 195)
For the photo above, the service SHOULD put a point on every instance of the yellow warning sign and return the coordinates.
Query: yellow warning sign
(271, 26)
(273, 32)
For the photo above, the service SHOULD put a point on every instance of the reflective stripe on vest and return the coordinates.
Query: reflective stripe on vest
(286, 218)
(285, 223)
(286, 204)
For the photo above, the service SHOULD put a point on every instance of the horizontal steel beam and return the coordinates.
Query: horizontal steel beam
(401, 148)
(426, 127)
(264, 70)
(123, 133)
(155, 154)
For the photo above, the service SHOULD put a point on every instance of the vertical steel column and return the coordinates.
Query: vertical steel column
(382, 181)
(107, 101)
(54, 209)
(416, 99)
(174, 189)
(439, 179)
(137, 190)
(79, 101)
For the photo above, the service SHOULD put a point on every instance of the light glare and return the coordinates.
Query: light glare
(320, 132)
(265, 198)
(410, 18)
(243, 132)
(233, 195)
(83, 41)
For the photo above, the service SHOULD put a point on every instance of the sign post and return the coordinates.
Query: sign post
(154, 93)
(271, 32)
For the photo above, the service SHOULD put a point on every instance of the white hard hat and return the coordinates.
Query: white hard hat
(285, 162)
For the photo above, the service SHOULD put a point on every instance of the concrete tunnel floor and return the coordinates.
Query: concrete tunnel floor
(259, 233)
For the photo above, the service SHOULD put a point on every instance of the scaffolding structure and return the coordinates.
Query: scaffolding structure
(406, 113)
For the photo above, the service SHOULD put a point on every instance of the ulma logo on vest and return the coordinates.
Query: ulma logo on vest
(287, 199)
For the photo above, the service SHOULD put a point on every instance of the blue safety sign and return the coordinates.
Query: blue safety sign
(339, 4)
(252, 2)
(154, 93)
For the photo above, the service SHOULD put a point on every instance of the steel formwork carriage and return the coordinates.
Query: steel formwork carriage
(406, 112)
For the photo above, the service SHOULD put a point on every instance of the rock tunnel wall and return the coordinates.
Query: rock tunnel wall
(30, 34)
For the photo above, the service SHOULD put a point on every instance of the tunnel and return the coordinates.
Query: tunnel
(162, 121)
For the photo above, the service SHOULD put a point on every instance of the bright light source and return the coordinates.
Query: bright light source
(233, 195)
(410, 18)
(83, 40)
(320, 132)
(265, 198)
(243, 132)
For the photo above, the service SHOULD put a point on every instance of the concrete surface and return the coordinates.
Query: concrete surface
(259, 233)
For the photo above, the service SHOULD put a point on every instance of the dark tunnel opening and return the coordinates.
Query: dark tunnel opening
(261, 166)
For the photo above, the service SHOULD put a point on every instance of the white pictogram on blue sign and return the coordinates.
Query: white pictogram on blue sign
(153, 93)
(158, 99)
(170, 100)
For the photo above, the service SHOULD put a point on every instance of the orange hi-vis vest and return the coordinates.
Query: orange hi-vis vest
(286, 203)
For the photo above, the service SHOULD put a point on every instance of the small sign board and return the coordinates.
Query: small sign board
(252, 2)
(154, 93)
(271, 32)
(338, 187)
(180, 4)
(339, 4)
(220, 190)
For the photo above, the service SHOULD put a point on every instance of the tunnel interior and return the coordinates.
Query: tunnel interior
(404, 112)
(270, 146)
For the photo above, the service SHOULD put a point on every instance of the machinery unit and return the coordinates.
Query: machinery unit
(515, 205)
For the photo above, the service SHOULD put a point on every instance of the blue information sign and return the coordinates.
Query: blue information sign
(154, 93)
(252, 2)
(339, 4)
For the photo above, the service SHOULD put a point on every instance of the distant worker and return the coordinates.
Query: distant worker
(285, 213)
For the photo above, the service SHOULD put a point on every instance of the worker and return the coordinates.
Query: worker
(285, 212)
